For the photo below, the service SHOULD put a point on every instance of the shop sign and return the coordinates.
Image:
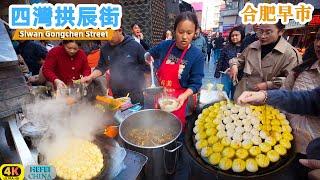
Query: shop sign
(227, 27)
(45, 21)
(271, 13)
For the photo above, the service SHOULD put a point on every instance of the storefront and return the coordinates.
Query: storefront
(301, 36)
(226, 29)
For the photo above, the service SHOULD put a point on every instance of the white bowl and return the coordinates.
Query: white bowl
(168, 104)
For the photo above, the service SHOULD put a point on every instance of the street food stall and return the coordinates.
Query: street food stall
(227, 141)
(223, 140)
(21, 133)
(240, 149)
(300, 35)
(36, 123)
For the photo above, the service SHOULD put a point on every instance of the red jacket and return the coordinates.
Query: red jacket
(59, 65)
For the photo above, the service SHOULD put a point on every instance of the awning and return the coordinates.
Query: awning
(7, 52)
(227, 27)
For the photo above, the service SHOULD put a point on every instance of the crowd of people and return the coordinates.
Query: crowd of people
(258, 67)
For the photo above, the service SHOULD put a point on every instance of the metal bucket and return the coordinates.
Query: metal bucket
(162, 158)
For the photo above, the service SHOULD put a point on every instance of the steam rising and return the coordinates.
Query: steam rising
(64, 122)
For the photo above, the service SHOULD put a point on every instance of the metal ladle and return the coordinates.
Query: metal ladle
(153, 89)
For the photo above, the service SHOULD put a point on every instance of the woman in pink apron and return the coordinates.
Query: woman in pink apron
(180, 71)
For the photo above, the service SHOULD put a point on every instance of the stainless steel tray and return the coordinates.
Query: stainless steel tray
(134, 162)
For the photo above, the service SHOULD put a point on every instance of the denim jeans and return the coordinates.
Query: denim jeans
(227, 85)
(212, 56)
(217, 53)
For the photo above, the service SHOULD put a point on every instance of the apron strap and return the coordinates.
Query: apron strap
(170, 50)
(183, 54)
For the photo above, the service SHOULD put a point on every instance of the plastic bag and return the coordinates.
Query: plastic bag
(33, 128)
(305, 129)
(116, 161)
(208, 96)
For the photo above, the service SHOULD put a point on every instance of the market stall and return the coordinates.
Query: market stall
(300, 35)
(13, 92)
(216, 153)
(23, 107)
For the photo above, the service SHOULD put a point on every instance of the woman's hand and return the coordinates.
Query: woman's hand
(250, 97)
(181, 99)
(314, 165)
(233, 72)
(33, 79)
(86, 80)
(59, 84)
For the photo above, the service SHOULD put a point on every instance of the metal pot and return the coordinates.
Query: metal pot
(162, 158)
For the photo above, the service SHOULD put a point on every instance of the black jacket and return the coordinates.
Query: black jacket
(32, 53)
(250, 38)
(126, 63)
(209, 45)
(228, 52)
(144, 45)
(218, 42)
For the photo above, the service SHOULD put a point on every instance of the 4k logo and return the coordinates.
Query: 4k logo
(12, 172)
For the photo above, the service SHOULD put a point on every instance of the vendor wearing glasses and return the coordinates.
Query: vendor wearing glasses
(265, 62)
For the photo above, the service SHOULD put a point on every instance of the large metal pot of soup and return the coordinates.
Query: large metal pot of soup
(153, 133)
